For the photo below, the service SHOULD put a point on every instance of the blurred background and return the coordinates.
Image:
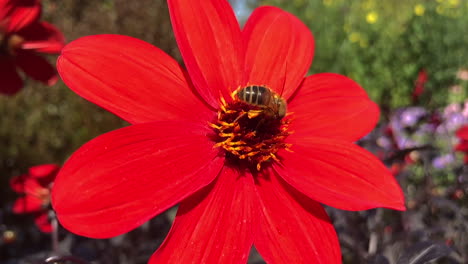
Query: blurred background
(411, 56)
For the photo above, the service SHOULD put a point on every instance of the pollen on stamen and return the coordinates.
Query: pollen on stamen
(248, 134)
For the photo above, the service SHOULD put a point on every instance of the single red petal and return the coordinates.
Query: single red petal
(214, 225)
(17, 14)
(131, 78)
(27, 204)
(42, 37)
(209, 40)
(42, 222)
(26, 184)
(332, 106)
(292, 228)
(138, 171)
(36, 67)
(17, 183)
(279, 50)
(462, 132)
(10, 81)
(43, 171)
(339, 174)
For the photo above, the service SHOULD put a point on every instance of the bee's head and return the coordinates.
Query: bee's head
(282, 107)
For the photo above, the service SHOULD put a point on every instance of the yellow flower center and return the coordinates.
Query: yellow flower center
(9, 44)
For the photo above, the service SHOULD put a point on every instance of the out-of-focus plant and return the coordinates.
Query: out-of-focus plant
(385, 44)
(46, 123)
(22, 38)
(424, 142)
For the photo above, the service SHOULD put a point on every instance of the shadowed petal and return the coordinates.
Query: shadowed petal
(332, 106)
(279, 51)
(292, 228)
(27, 204)
(339, 174)
(36, 67)
(137, 171)
(209, 40)
(42, 222)
(25, 184)
(132, 78)
(214, 225)
(42, 37)
(462, 146)
(17, 14)
(11, 82)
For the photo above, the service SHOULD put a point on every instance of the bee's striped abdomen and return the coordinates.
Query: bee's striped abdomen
(254, 94)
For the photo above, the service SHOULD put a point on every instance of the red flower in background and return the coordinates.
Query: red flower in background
(419, 85)
(35, 186)
(462, 134)
(241, 177)
(22, 37)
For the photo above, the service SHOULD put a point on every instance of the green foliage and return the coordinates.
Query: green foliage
(384, 44)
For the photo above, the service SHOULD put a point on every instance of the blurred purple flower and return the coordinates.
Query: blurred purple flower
(442, 161)
(454, 117)
(403, 119)
(411, 115)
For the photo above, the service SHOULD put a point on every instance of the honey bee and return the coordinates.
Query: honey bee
(272, 103)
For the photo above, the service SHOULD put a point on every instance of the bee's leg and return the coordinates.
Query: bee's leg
(254, 113)
(239, 117)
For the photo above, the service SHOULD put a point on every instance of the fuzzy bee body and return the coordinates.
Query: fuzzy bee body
(273, 104)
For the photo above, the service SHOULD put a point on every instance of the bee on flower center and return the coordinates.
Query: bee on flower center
(252, 127)
(272, 104)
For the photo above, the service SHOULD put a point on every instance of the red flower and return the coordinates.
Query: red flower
(462, 134)
(22, 37)
(242, 175)
(35, 185)
(419, 85)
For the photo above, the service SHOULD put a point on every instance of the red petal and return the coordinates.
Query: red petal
(137, 171)
(279, 51)
(27, 204)
(25, 184)
(214, 225)
(209, 40)
(340, 174)
(17, 14)
(293, 228)
(10, 81)
(36, 67)
(17, 183)
(130, 78)
(332, 106)
(462, 146)
(43, 223)
(43, 171)
(462, 132)
(42, 37)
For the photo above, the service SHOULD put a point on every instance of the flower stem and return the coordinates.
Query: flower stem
(54, 223)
